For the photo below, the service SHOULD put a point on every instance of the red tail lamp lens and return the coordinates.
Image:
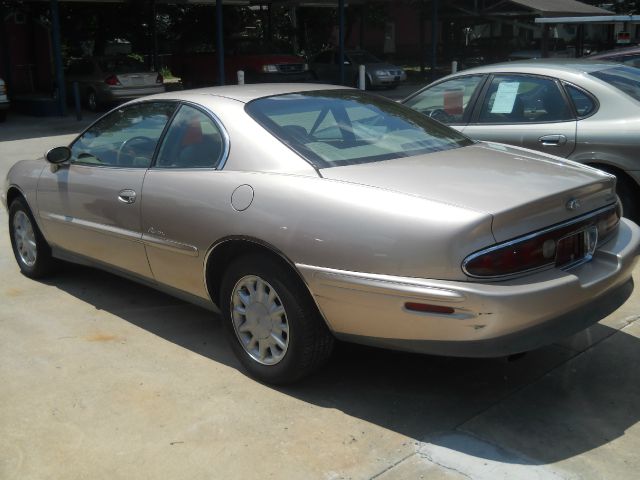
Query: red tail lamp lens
(427, 308)
(112, 80)
(558, 246)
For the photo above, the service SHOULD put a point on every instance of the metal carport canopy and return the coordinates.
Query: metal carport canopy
(603, 19)
(561, 7)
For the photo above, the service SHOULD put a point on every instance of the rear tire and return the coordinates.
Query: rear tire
(31, 250)
(271, 322)
(627, 195)
(93, 103)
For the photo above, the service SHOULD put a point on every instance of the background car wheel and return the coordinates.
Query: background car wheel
(628, 198)
(92, 101)
(31, 250)
(273, 325)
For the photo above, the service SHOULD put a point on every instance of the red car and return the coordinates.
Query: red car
(260, 62)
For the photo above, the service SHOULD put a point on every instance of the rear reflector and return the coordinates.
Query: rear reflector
(427, 308)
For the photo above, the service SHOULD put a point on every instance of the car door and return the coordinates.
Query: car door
(525, 110)
(182, 190)
(450, 102)
(91, 207)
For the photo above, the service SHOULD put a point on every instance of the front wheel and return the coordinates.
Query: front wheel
(31, 250)
(273, 326)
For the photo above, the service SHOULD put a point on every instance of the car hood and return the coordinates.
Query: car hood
(270, 58)
(382, 66)
(523, 190)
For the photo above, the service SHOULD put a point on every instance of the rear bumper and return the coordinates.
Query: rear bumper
(117, 94)
(490, 319)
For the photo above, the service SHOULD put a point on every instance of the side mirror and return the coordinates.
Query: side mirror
(58, 155)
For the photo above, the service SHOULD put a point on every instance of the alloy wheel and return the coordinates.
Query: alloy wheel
(259, 320)
(25, 238)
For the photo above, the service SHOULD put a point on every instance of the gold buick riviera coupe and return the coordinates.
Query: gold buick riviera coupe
(309, 213)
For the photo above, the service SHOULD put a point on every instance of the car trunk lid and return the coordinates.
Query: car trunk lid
(140, 79)
(524, 191)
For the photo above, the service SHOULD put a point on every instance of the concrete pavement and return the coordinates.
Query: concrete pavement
(104, 378)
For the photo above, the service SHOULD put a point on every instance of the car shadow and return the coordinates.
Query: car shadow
(584, 397)
(22, 127)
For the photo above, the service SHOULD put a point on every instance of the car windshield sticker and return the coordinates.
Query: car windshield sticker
(505, 97)
(453, 101)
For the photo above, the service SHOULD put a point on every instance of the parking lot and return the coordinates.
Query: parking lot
(103, 378)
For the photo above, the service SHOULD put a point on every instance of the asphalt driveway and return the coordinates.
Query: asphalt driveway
(104, 378)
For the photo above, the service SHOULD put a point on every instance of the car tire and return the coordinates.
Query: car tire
(93, 103)
(31, 250)
(629, 199)
(257, 292)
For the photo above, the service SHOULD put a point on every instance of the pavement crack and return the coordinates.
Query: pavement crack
(393, 465)
(446, 467)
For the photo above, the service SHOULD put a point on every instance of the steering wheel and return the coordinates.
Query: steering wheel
(127, 145)
(439, 114)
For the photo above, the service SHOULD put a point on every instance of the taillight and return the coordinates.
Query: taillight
(112, 80)
(159, 78)
(560, 246)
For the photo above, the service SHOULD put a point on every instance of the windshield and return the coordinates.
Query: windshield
(626, 79)
(121, 65)
(362, 57)
(346, 127)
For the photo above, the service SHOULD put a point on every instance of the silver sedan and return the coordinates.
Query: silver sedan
(308, 213)
(582, 110)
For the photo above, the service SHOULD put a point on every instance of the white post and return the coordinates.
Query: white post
(362, 78)
(454, 66)
(240, 77)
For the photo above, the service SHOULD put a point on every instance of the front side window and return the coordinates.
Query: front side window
(346, 127)
(524, 99)
(448, 101)
(193, 140)
(126, 137)
(625, 79)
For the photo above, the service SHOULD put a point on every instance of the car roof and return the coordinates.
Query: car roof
(556, 65)
(247, 93)
(617, 51)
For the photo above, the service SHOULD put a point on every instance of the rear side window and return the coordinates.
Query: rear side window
(625, 79)
(584, 104)
(346, 127)
(192, 140)
(524, 99)
(448, 101)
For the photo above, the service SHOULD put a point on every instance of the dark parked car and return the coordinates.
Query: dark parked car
(325, 67)
(111, 79)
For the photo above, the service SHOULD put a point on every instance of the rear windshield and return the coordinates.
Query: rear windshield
(626, 79)
(121, 65)
(346, 127)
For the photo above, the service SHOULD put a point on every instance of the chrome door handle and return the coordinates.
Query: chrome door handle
(127, 196)
(553, 140)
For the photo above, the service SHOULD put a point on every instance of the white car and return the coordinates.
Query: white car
(4, 101)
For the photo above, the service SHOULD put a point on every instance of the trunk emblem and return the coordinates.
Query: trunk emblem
(573, 204)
